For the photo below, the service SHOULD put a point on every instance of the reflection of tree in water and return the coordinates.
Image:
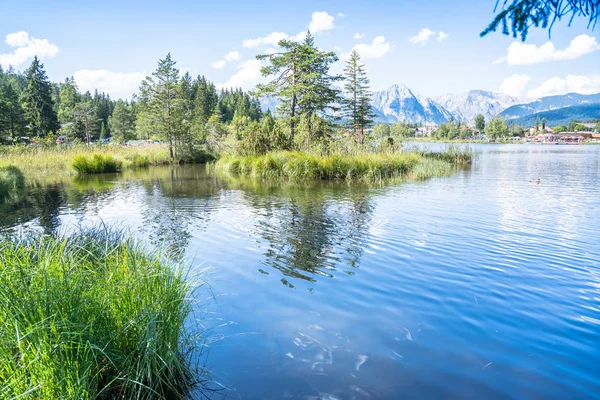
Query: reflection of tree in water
(43, 203)
(179, 200)
(312, 231)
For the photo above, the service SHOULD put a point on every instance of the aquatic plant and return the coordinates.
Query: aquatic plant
(92, 316)
(96, 164)
(369, 167)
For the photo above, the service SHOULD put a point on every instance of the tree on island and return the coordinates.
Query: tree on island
(517, 17)
(357, 102)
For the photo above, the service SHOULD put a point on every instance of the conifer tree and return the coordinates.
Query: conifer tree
(37, 101)
(357, 101)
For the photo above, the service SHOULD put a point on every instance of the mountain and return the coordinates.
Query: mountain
(466, 106)
(550, 103)
(399, 103)
(561, 116)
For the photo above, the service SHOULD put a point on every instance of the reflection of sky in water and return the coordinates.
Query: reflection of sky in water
(479, 285)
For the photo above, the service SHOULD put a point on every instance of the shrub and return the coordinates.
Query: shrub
(96, 164)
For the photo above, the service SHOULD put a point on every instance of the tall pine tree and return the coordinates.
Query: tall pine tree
(357, 101)
(37, 101)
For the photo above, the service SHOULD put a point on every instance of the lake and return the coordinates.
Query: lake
(485, 284)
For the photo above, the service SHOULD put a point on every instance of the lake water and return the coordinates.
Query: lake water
(479, 285)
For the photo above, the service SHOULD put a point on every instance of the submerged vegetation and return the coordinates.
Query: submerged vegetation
(92, 316)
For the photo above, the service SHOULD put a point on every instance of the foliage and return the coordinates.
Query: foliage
(480, 123)
(37, 101)
(520, 15)
(96, 164)
(122, 122)
(497, 128)
(92, 316)
(561, 128)
(11, 179)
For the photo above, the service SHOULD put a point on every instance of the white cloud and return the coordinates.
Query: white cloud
(378, 48)
(26, 48)
(341, 15)
(246, 77)
(514, 85)
(117, 84)
(321, 21)
(423, 36)
(442, 36)
(359, 35)
(527, 54)
(271, 39)
(219, 64)
(572, 83)
(233, 56)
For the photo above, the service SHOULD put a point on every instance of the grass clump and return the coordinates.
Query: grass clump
(11, 180)
(91, 316)
(96, 164)
(369, 167)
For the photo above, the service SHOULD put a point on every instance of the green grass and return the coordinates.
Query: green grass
(96, 164)
(11, 180)
(54, 163)
(370, 167)
(91, 316)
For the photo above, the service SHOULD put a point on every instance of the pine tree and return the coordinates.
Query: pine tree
(37, 101)
(160, 104)
(357, 102)
(480, 123)
(122, 122)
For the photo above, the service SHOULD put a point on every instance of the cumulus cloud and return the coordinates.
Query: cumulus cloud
(378, 48)
(423, 36)
(572, 83)
(514, 85)
(246, 77)
(519, 53)
(26, 48)
(219, 64)
(231, 56)
(271, 39)
(117, 84)
(321, 21)
(359, 35)
(442, 36)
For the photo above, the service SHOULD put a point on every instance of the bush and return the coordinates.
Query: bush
(91, 316)
(96, 164)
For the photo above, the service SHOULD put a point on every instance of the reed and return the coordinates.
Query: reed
(92, 316)
(96, 164)
(369, 167)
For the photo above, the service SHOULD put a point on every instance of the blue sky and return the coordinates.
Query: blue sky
(111, 45)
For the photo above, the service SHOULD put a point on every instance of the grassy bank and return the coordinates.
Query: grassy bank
(370, 167)
(91, 316)
(56, 162)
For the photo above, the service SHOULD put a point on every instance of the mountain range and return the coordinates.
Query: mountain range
(400, 103)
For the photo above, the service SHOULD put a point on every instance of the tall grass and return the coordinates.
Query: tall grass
(11, 179)
(96, 164)
(371, 167)
(53, 164)
(91, 316)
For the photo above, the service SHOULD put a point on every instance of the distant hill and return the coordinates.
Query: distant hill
(561, 116)
(550, 103)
